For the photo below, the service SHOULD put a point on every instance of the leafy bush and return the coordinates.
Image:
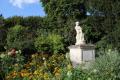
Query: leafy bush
(40, 66)
(111, 40)
(42, 44)
(56, 42)
(52, 43)
(10, 62)
(106, 67)
(20, 37)
(3, 34)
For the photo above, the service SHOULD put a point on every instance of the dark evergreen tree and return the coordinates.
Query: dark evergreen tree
(3, 33)
(61, 16)
(104, 19)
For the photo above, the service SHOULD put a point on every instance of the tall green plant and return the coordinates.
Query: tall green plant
(106, 67)
(11, 62)
(20, 37)
(51, 43)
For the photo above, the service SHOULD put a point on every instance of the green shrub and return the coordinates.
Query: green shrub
(111, 40)
(106, 67)
(42, 44)
(11, 62)
(20, 37)
(52, 43)
(3, 34)
(74, 74)
(56, 42)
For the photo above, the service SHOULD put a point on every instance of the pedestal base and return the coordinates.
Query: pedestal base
(81, 54)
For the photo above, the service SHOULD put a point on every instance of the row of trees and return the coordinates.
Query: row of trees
(101, 26)
(30, 34)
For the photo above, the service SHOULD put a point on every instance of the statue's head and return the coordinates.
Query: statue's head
(77, 23)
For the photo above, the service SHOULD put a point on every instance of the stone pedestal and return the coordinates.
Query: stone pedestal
(81, 54)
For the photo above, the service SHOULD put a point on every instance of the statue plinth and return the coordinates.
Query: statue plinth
(81, 53)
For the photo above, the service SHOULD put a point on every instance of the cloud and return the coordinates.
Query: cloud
(19, 3)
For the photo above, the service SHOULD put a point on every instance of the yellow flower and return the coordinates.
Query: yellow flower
(46, 76)
(14, 74)
(31, 63)
(69, 67)
(33, 56)
(8, 77)
(41, 74)
(16, 65)
(57, 74)
(27, 65)
(57, 71)
(36, 72)
(24, 73)
(30, 76)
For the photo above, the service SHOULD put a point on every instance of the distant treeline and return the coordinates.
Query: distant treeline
(101, 26)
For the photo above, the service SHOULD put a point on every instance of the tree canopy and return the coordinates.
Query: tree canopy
(101, 25)
(105, 18)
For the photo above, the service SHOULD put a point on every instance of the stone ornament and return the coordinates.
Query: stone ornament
(79, 35)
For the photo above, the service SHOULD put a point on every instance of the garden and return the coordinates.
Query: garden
(36, 48)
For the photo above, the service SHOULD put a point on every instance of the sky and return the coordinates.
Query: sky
(9, 8)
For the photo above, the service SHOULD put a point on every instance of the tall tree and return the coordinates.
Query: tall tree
(104, 14)
(64, 8)
(1, 20)
(3, 33)
(105, 19)
(61, 15)
(12, 21)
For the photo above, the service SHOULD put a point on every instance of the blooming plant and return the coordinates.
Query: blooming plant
(11, 61)
(39, 67)
(58, 67)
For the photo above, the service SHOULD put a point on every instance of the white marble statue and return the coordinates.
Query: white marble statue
(80, 35)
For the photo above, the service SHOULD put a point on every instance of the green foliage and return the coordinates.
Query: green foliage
(9, 63)
(51, 43)
(33, 22)
(74, 74)
(56, 42)
(61, 16)
(106, 67)
(64, 9)
(20, 37)
(12, 21)
(42, 44)
(57, 67)
(104, 17)
(3, 35)
(111, 40)
(1, 20)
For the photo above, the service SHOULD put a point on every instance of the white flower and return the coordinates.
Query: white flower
(18, 59)
(17, 52)
(9, 53)
(2, 55)
(43, 58)
(89, 78)
(67, 55)
(69, 73)
(109, 50)
(94, 70)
